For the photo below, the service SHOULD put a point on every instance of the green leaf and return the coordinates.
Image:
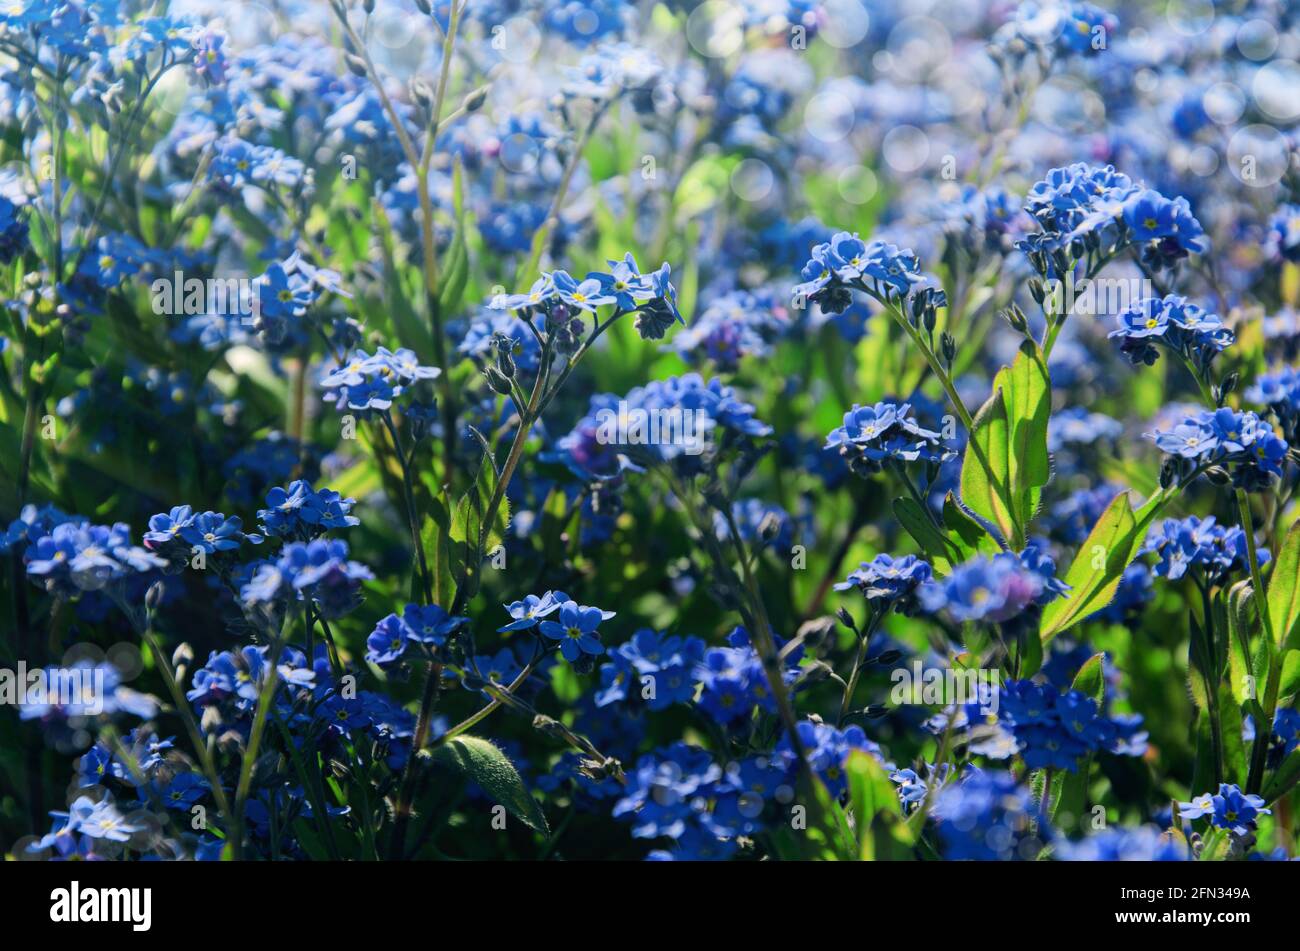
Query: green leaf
(1070, 795)
(1234, 748)
(983, 491)
(1284, 591)
(968, 536)
(1010, 431)
(1200, 666)
(923, 530)
(470, 537)
(1241, 676)
(882, 834)
(1284, 778)
(482, 762)
(1203, 770)
(1290, 682)
(1099, 564)
(411, 331)
(1217, 846)
(455, 274)
(435, 536)
(1091, 678)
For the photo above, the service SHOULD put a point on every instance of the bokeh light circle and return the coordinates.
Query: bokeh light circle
(906, 148)
(752, 180)
(716, 29)
(1258, 156)
(845, 23)
(829, 116)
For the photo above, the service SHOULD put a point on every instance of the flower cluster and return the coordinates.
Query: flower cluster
(427, 628)
(318, 572)
(75, 556)
(1054, 730)
(889, 582)
(846, 262)
(872, 436)
(1103, 208)
(993, 589)
(181, 532)
(987, 816)
(733, 683)
(1229, 809)
(1240, 442)
(1194, 543)
(1190, 331)
(678, 421)
(301, 513)
(366, 382)
(653, 669)
(564, 299)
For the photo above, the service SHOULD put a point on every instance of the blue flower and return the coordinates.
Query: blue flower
(888, 581)
(666, 792)
(1237, 440)
(733, 682)
(986, 589)
(1193, 542)
(387, 642)
(1283, 239)
(652, 667)
(13, 231)
(543, 289)
(210, 58)
(302, 512)
(987, 816)
(1140, 844)
(184, 791)
(1228, 809)
(847, 262)
(827, 750)
(528, 612)
(431, 624)
(77, 556)
(213, 532)
(587, 295)
(1193, 438)
(1190, 331)
(871, 436)
(576, 630)
(1054, 730)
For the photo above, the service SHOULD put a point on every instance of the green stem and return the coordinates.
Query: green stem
(1264, 730)
(412, 517)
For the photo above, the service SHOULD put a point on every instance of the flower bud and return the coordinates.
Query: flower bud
(948, 347)
(497, 380)
(1168, 472)
(356, 65)
(506, 364)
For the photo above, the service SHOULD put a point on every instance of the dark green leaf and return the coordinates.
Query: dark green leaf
(482, 762)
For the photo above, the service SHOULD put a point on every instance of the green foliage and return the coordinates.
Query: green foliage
(1284, 591)
(1002, 479)
(483, 762)
(1096, 570)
